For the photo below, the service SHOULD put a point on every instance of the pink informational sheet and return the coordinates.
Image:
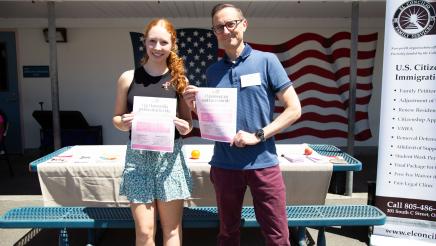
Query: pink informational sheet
(216, 110)
(153, 126)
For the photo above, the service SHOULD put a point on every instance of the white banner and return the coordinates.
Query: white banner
(406, 171)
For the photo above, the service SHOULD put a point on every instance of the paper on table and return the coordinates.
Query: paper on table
(216, 110)
(294, 158)
(90, 154)
(337, 160)
(313, 158)
(295, 154)
(153, 126)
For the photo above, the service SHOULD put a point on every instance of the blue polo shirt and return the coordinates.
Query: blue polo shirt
(255, 106)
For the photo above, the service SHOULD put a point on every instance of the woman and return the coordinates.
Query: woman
(154, 182)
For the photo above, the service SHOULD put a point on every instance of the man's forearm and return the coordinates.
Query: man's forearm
(284, 120)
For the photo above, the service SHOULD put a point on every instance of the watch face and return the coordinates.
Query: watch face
(259, 134)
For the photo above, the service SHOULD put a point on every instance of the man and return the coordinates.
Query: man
(250, 158)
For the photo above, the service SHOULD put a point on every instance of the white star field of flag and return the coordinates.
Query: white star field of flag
(198, 48)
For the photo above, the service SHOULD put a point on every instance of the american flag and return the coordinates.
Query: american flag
(197, 47)
(320, 69)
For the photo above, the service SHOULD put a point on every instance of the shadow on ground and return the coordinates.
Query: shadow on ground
(23, 182)
(191, 237)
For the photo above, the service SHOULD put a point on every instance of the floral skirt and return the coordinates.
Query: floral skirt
(151, 175)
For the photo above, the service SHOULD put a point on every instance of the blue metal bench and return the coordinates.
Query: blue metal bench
(193, 217)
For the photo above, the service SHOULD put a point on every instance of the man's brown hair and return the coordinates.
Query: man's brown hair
(221, 6)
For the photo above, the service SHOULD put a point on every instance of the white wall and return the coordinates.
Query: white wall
(98, 51)
(88, 67)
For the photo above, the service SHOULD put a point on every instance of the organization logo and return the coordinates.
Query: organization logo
(414, 19)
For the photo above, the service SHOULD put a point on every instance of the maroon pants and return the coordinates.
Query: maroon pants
(269, 201)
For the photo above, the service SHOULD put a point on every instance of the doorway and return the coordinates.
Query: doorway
(9, 94)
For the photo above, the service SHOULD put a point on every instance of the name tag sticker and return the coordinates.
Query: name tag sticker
(250, 80)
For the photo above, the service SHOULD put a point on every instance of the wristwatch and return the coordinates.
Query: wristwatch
(260, 135)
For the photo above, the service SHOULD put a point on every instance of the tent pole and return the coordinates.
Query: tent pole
(54, 75)
(352, 95)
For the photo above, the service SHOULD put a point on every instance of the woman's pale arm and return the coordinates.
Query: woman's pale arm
(183, 122)
(122, 119)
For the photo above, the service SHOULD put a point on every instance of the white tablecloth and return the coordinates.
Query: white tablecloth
(89, 176)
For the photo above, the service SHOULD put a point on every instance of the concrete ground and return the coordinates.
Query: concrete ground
(23, 190)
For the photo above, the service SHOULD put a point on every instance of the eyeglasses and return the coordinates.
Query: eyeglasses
(230, 25)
